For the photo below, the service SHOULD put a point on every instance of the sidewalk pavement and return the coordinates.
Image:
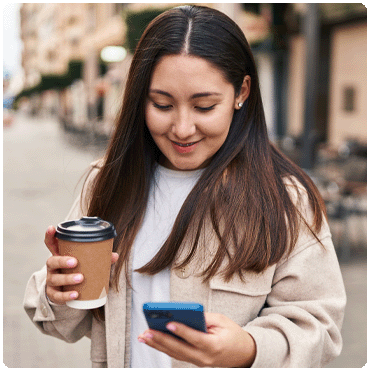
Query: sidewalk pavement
(354, 331)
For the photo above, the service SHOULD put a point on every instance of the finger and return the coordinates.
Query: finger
(114, 257)
(59, 297)
(51, 241)
(190, 335)
(214, 321)
(165, 343)
(173, 347)
(60, 262)
(59, 280)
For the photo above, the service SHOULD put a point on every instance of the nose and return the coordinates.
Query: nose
(183, 126)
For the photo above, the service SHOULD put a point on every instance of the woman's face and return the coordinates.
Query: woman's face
(189, 110)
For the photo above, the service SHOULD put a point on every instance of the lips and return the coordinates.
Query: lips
(183, 148)
(184, 145)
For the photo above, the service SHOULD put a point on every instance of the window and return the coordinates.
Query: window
(118, 7)
(349, 98)
(51, 56)
(92, 15)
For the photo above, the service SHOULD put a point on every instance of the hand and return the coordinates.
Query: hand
(55, 280)
(225, 345)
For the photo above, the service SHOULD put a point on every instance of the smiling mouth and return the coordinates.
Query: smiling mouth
(185, 148)
(185, 145)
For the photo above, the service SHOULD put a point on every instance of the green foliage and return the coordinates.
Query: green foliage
(54, 81)
(59, 82)
(136, 22)
(103, 68)
(75, 68)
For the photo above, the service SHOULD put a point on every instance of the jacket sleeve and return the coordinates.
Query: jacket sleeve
(300, 324)
(60, 321)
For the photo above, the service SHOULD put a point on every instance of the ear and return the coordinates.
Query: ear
(244, 92)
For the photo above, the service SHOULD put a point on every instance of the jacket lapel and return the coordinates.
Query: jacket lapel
(115, 321)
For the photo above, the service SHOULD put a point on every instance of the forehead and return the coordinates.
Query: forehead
(190, 72)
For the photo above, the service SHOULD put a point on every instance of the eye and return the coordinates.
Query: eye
(162, 107)
(206, 109)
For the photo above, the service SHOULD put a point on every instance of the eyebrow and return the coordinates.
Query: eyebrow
(194, 96)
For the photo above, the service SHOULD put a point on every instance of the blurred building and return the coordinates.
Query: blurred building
(342, 84)
(54, 35)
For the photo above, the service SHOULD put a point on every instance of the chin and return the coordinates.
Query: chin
(181, 166)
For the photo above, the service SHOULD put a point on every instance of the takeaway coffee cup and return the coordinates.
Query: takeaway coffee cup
(90, 241)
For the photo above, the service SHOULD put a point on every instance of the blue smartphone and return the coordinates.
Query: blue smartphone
(159, 314)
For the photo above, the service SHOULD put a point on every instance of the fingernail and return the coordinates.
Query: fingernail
(148, 335)
(77, 278)
(141, 340)
(171, 327)
(74, 295)
(71, 262)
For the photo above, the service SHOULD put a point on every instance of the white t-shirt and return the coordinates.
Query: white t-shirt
(167, 194)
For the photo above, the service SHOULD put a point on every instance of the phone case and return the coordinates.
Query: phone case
(158, 314)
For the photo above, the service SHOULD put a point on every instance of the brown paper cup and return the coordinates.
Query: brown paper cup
(82, 239)
(94, 263)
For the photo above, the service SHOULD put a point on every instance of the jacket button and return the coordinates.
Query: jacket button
(44, 310)
(183, 272)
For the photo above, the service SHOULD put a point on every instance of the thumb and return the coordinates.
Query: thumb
(213, 320)
(51, 241)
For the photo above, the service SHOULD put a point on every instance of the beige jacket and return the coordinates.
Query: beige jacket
(294, 310)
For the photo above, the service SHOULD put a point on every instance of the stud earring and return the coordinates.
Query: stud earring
(240, 105)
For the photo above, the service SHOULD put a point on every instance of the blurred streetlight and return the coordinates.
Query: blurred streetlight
(111, 54)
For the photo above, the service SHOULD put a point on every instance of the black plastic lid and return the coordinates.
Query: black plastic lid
(87, 229)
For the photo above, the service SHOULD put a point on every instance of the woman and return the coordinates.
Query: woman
(206, 210)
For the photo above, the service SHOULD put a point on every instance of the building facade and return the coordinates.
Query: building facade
(54, 34)
(342, 105)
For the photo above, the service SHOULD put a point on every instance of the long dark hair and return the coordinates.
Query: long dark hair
(241, 193)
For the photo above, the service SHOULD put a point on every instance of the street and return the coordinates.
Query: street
(42, 169)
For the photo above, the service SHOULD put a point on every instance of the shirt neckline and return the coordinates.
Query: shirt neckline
(178, 173)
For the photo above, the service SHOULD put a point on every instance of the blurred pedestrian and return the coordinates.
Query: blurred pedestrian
(206, 210)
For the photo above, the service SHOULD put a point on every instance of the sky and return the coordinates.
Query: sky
(12, 45)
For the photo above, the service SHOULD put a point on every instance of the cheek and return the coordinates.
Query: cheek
(218, 125)
(156, 122)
